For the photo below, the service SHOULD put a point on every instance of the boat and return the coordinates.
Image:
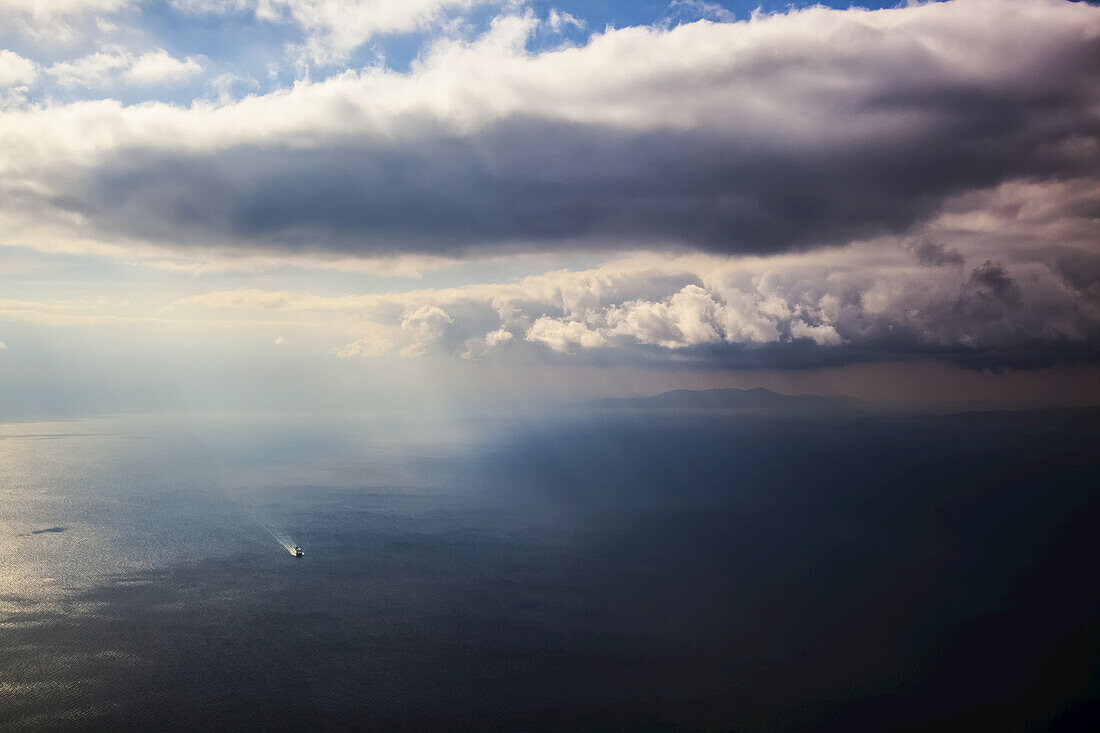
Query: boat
(297, 551)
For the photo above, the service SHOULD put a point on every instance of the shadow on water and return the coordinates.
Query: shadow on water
(677, 574)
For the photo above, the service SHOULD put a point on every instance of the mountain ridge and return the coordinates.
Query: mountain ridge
(729, 398)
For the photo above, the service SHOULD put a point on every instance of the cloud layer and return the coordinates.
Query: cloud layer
(15, 70)
(1020, 285)
(783, 132)
(805, 188)
(106, 67)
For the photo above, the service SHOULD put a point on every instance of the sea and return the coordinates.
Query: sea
(580, 569)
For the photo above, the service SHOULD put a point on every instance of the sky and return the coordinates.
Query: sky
(343, 204)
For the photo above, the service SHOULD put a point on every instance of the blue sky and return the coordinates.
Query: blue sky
(527, 192)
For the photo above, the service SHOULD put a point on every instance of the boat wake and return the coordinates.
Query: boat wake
(288, 544)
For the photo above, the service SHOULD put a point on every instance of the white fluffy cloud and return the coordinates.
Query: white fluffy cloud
(57, 11)
(107, 67)
(335, 28)
(559, 20)
(93, 70)
(57, 20)
(213, 7)
(371, 344)
(15, 70)
(158, 67)
(424, 327)
(702, 9)
(53, 8)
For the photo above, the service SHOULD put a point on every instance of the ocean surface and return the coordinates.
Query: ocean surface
(585, 570)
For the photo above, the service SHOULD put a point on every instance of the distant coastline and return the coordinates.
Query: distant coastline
(731, 399)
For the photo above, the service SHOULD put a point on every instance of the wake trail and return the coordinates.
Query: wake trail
(250, 507)
(280, 537)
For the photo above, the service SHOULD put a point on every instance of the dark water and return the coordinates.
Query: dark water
(588, 571)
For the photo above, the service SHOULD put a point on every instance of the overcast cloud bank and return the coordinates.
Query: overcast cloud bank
(1019, 285)
(797, 188)
(788, 131)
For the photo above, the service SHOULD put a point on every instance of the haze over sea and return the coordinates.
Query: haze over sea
(589, 569)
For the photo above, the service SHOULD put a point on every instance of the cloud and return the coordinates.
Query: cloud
(559, 20)
(1021, 287)
(57, 20)
(700, 9)
(158, 67)
(932, 253)
(93, 70)
(373, 344)
(15, 70)
(479, 347)
(54, 8)
(781, 132)
(424, 327)
(333, 29)
(3, 346)
(563, 335)
(102, 312)
(213, 7)
(108, 67)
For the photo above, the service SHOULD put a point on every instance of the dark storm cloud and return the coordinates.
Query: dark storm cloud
(536, 184)
(936, 255)
(787, 132)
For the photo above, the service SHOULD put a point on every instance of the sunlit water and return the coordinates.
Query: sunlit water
(589, 570)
